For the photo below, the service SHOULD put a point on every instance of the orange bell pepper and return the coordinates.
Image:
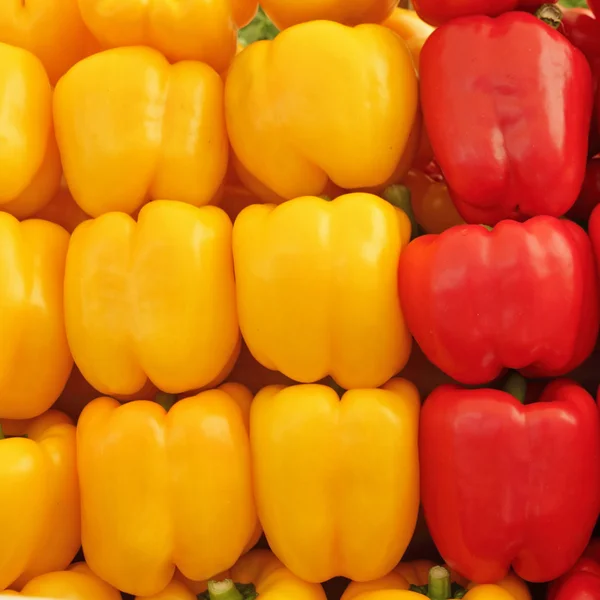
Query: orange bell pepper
(425, 580)
(414, 31)
(285, 13)
(39, 497)
(317, 288)
(204, 30)
(152, 300)
(52, 30)
(431, 203)
(308, 108)
(336, 481)
(35, 360)
(31, 171)
(77, 582)
(184, 488)
(63, 211)
(132, 127)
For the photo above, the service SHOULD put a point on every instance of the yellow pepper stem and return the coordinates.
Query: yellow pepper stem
(1, 432)
(440, 587)
(228, 590)
(165, 400)
(399, 196)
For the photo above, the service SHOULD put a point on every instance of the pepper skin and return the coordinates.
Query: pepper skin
(416, 573)
(35, 360)
(523, 296)
(589, 196)
(31, 171)
(39, 497)
(582, 582)
(152, 300)
(353, 468)
(285, 13)
(203, 30)
(131, 127)
(173, 472)
(52, 30)
(437, 12)
(339, 313)
(595, 7)
(497, 126)
(77, 582)
(303, 108)
(507, 471)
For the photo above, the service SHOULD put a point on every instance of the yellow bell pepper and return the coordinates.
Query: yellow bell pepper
(285, 13)
(39, 497)
(163, 490)
(322, 102)
(63, 211)
(336, 481)
(317, 288)
(407, 24)
(31, 171)
(434, 583)
(77, 582)
(132, 127)
(204, 30)
(152, 300)
(35, 360)
(52, 30)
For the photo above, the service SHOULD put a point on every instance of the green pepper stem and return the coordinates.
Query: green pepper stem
(399, 196)
(223, 590)
(516, 386)
(1, 432)
(440, 586)
(550, 14)
(165, 400)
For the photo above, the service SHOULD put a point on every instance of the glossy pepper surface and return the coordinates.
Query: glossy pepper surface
(353, 468)
(31, 171)
(507, 471)
(408, 575)
(582, 582)
(302, 109)
(131, 127)
(39, 497)
(522, 296)
(339, 314)
(35, 360)
(285, 13)
(163, 515)
(498, 127)
(153, 299)
(437, 12)
(204, 30)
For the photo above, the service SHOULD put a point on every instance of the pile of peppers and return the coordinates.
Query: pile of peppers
(301, 300)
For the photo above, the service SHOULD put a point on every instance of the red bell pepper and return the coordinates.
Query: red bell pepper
(436, 12)
(595, 6)
(523, 296)
(589, 197)
(509, 125)
(504, 483)
(583, 581)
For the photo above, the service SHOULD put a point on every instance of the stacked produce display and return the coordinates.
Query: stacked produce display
(299, 301)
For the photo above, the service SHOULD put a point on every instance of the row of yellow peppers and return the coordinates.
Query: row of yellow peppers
(155, 491)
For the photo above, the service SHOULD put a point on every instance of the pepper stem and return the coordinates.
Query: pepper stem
(223, 590)
(1, 432)
(165, 400)
(440, 586)
(399, 196)
(550, 14)
(516, 386)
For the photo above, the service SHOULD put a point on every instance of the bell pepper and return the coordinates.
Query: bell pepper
(284, 13)
(589, 196)
(521, 296)
(53, 31)
(63, 211)
(77, 582)
(595, 7)
(184, 488)
(353, 468)
(339, 313)
(31, 171)
(323, 102)
(204, 30)
(492, 130)
(132, 127)
(437, 12)
(436, 583)
(35, 360)
(508, 471)
(582, 582)
(39, 497)
(153, 299)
